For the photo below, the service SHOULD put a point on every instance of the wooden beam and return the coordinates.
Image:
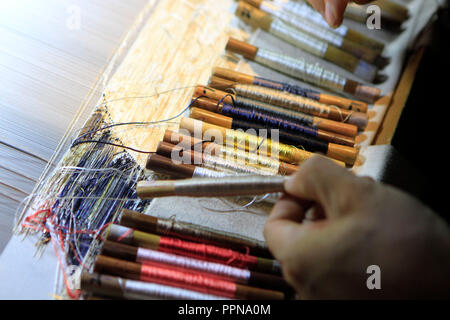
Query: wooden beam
(390, 122)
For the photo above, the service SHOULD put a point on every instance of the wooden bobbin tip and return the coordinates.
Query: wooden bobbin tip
(232, 75)
(367, 93)
(220, 83)
(241, 47)
(359, 119)
(174, 168)
(253, 16)
(152, 189)
(101, 284)
(344, 153)
(211, 117)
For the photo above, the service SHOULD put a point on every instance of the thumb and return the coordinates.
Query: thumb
(318, 181)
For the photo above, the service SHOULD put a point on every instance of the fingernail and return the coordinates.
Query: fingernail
(331, 14)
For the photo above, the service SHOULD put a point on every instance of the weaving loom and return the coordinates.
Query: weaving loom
(148, 86)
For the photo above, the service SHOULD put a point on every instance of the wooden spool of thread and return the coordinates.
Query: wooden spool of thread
(220, 271)
(331, 150)
(106, 287)
(390, 19)
(271, 121)
(166, 166)
(299, 104)
(214, 163)
(248, 158)
(181, 279)
(230, 86)
(319, 122)
(234, 77)
(250, 105)
(297, 38)
(210, 187)
(345, 38)
(289, 65)
(245, 141)
(192, 232)
(395, 9)
(188, 248)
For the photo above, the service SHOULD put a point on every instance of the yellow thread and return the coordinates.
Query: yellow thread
(266, 147)
(250, 158)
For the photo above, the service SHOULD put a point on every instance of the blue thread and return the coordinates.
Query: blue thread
(268, 120)
(274, 111)
(291, 88)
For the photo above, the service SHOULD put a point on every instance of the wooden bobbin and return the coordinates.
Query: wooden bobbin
(187, 142)
(344, 133)
(164, 165)
(240, 47)
(335, 151)
(396, 9)
(335, 114)
(354, 39)
(133, 271)
(218, 133)
(221, 75)
(132, 253)
(361, 91)
(364, 92)
(343, 59)
(199, 187)
(192, 232)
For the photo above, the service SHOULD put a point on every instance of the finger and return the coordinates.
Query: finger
(323, 182)
(334, 12)
(284, 224)
(289, 208)
(314, 214)
(319, 5)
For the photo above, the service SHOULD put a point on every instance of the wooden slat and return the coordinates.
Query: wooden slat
(394, 112)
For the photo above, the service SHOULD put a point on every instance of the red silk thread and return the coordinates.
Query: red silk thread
(206, 252)
(186, 280)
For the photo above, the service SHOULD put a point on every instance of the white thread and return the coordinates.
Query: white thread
(144, 290)
(303, 24)
(304, 11)
(200, 172)
(243, 208)
(300, 69)
(298, 38)
(70, 168)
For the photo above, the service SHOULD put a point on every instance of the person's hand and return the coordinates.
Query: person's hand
(331, 225)
(333, 10)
